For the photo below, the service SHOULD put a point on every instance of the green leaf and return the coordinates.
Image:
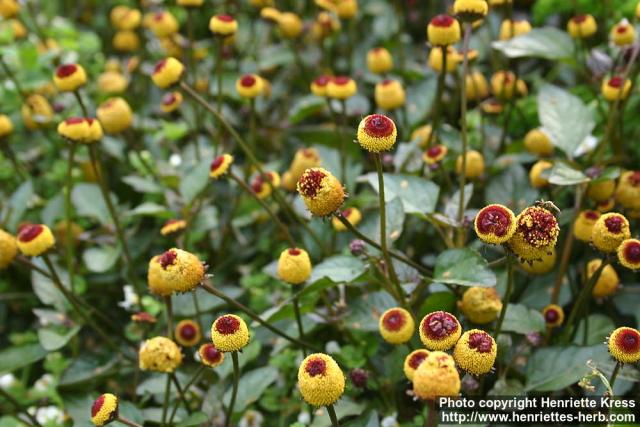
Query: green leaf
(511, 188)
(151, 209)
(51, 339)
(464, 267)
(195, 181)
(563, 174)
(87, 201)
(339, 268)
(305, 107)
(367, 309)
(18, 203)
(509, 387)
(523, 320)
(597, 328)
(546, 42)
(565, 118)
(251, 386)
(612, 172)
(174, 131)
(420, 97)
(445, 301)
(370, 226)
(13, 358)
(345, 407)
(195, 419)
(141, 184)
(100, 259)
(418, 195)
(275, 55)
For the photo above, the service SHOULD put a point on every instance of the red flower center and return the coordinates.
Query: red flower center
(247, 80)
(66, 70)
(168, 258)
(341, 80)
(393, 320)
(211, 354)
(579, 19)
(416, 358)
(442, 21)
(614, 224)
(495, 220)
(217, 162)
(434, 151)
(322, 81)
(310, 182)
(171, 221)
(188, 332)
(628, 341)
(386, 82)
(542, 228)
(621, 29)
(158, 16)
(506, 77)
(169, 98)
(257, 184)
(159, 66)
(74, 120)
(481, 342)
(29, 232)
(294, 251)
(227, 325)
(378, 126)
(97, 405)
(592, 215)
(551, 315)
(632, 252)
(316, 366)
(225, 18)
(634, 179)
(307, 152)
(616, 82)
(378, 49)
(439, 325)
(347, 212)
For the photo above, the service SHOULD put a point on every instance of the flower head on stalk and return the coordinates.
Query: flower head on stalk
(377, 133)
(159, 354)
(624, 345)
(582, 26)
(609, 231)
(475, 352)
(537, 142)
(173, 226)
(167, 72)
(553, 315)
(495, 224)
(389, 94)
(171, 102)
(188, 333)
(320, 380)
(439, 330)
(623, 33)
(294, 266)
(436, 376)
(319, 85)
(210, 355)
(104, 409)
(250, 86)
(321, 191)
(608, 282)
(341, 87)
(220, 165)
(443, 30)
(379, 60)
(35, 239)
(229, 333)
(434, 155)
(396, 325)
(352, 215)
(510, 29)
(616, 88)
(536, 233)
(412, 361)
(470, 10)
(480, 305)
(629, 254)
(69, 77)
(115, 115)
(175, 270)
(8, 249)
(628, 190)
(583, 225)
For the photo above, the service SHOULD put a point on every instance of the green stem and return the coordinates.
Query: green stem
(192, 381)
(342, 142)
(463, 128)
(19, 407)
(296, 311)
(507, 297)
(181, 395)
(68, 212)
(169, 308)
(219, 75)
(12, 77)
(614, 375)
(127, 421)
(234, 392)
(332, 415)
(85, 112)
(165, 404)
(439, 94)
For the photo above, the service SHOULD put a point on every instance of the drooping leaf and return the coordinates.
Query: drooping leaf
(563, 174)
(523, 320)
(418, 195)
(87, 201)
(546, 42)
(465, 267)
(100, 259)
(339, 268)
(51, 339)
(13, 358)
(195, 180)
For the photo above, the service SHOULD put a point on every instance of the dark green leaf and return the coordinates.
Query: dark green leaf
(13, 358)
(464, 267)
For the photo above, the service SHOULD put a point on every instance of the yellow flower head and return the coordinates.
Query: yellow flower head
(503, 84)
(8, 249)
(290, 25)
(475, 352)
(542, 265)
(173, 226)
(143, 317)
(628, 254)
(379, 60)
(536, 233)
(171, 46)
(377, 133)
(6, 127)
(583, 226)
(174, 271)
(229, 333)
(439, 330)
(294, 266)
(553, 315)
(125, 18)
(188, 333)
(9, 8)
(249, 86)
(608, 282)
(537, 142)
(470, 10)
(396, 325)
(163, 24)
(270, 14)
(223, 25)
(623, 33)
(320, 380)
(582, 26)
(319, 85)
(346, 9)
(606, 205)
(609, 231)
(325, 24)
(628, 190)
(601, 190)
(435, 154)
(321, 192)
(210, 355)
(389, 94)
(171, 102)
(69, 77)
(412, 361)
(190, 3)
(480, 305)
(37, 112)
(261, 187)
(112, 82)
(159, 354)
(436, 376)
(352, 215)
(495, 224)
(220, 165)
(104, 409)
(304, 159)
(167, 72)
(115, 115)
(35, 239)
(616, 88)
(624, 345)
(421, 135)
(126, 41)
(509, 29)
(474, 167)
(492, 106)
(341, 87)
(443, 30)
(452, 59)
(74, 129)
(536, 174)
(477, 87)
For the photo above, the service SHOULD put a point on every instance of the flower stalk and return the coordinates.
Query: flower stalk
(234, 392)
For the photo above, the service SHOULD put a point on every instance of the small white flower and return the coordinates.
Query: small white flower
(47, 414)
(304, 418)
(131, 299)
(175, 160)
(44, 383)
(7, 380)
(389, 421)
(251, 418)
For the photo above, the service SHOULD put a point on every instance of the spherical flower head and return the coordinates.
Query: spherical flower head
(379, 60)
(396, 326)
(304, 159)
(229, 333)
(320, 380)
(69, 77)
(35, 239)
(126, 41)
(389, 94)
(95, 132)
(623, 33)
(553, 315)
(210, 356)
(606, 205)
(628, 254)
(470, 10)
(477, 87)
(439, 330)
(220, 165)
(187, 333)
(115, 115)
(582, 26)
(159, 354)
(249, 86)
(377, 133)
(609, 231)
(608, 282)
(163, 24)
(37, 112)
(359, 377)
(537, 142)
(104, 409)
(436, 376)
(352, 215)
(74, 129)
(341, 87)
(475, 352)
(173, 226)
(492, 106)
(495, 224)
(536, 233)
(346, 9)
(294, 266)
(422, 135)
(583, 225)
(616, 88)
(174, 271)
(290, 25)
(542, 265)
(6, 126)
(503, 84)
(624, 345)
(413, 361)
(480, 305)
(509, 29)
(433, 155)
(223, 25)
(171, 102)
(319, 85)
(125, 18)
(601, 190)
(443, 30)
(167, 72)
(628, 190)
(452, 59)
(474, 167)
(8, 249)
(321, 192)
(9, 8)
(190, 3)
